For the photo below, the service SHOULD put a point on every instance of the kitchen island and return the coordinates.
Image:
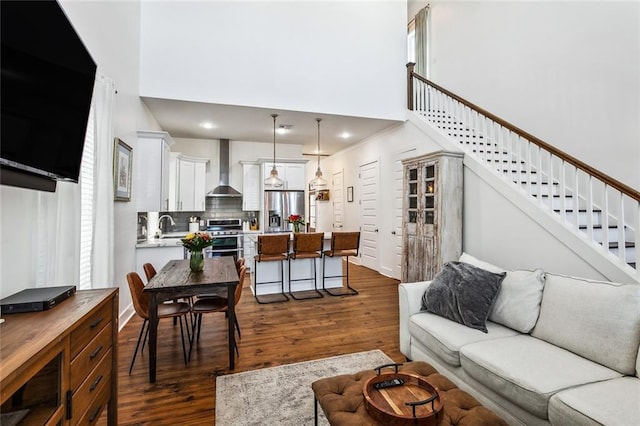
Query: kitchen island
(300, 268)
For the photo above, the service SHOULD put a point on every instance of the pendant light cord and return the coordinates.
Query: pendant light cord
(318, 152)
(274, 139)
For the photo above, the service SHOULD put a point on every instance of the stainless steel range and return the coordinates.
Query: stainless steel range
(227, 237)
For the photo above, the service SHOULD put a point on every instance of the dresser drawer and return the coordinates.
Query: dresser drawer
(89, 328)
(88, 398)
(90, 356)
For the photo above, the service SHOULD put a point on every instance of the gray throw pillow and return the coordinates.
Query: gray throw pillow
(463, 293)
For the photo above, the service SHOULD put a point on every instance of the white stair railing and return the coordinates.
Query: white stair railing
(603, 210)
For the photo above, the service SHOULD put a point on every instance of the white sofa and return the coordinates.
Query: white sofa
(568, 354)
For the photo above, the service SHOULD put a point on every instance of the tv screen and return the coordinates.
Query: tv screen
(46, 89)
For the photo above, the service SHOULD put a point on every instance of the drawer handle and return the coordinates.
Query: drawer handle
(96, 322)
(95, 413)
(95, 384)
(95, 353)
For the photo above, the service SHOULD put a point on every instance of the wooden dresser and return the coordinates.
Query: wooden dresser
(59, 367)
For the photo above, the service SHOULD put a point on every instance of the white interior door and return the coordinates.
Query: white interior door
(369, 184)
(338, 200)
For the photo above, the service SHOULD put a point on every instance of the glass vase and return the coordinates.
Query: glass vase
(296, 227)
(196, 260)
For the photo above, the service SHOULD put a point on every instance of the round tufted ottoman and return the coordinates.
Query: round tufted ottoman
(342, 400)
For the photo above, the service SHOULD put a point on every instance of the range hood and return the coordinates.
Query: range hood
(223, 189)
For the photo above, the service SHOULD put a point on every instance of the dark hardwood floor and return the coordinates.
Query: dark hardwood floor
(275, 334)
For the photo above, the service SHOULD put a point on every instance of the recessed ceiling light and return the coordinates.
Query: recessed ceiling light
(283, 128)
(345, 135)
(207, 125)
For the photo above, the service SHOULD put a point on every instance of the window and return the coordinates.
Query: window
(411, 42)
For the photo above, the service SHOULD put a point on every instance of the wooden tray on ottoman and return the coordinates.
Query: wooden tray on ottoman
(416, 402)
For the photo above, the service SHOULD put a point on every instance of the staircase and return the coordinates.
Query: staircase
(605, 212)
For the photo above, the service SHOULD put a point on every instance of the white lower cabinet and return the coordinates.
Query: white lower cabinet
(249, 250)
(157, 256)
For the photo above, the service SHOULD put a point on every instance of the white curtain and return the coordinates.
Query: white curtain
(102, 271)
(57, 238)
(421, 42)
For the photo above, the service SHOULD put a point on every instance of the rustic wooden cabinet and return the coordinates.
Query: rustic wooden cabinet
(59, 367)
(432, 214)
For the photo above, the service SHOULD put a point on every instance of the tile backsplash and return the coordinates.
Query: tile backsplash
(215, 208)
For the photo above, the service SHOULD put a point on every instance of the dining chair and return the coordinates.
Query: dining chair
(140, 300)
(272, 248)
(212, 304)
(150, 272)
(342, 244)
(306, 246)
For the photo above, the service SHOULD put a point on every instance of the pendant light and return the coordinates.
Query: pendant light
(318, 183)
(273, 181)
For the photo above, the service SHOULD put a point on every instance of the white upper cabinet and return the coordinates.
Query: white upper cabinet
(292, 174)
(151, 171)
(251, 186)
(190, 184)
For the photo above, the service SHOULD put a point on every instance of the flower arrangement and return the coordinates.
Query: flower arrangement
(296, 220)
(196, 241)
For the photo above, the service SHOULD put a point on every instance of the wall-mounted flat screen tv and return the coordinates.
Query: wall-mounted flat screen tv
(47, 85)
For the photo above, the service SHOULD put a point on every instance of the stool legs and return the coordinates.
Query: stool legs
(350, 291)
(284, 296)
(318, 295)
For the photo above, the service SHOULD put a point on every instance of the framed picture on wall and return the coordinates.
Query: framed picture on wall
(122, 171)
(350, 194)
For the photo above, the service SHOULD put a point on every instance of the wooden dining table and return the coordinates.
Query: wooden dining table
(176, 279)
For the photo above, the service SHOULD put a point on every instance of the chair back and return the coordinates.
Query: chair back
(273, 244)
(139, 298)
(239, 264)
(149, 271)
(345, 241)
(307, 242)
(238, 292)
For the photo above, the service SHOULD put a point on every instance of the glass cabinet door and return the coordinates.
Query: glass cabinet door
(429, 179)
(412, 196)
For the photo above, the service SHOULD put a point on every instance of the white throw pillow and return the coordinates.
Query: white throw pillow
(518, 303)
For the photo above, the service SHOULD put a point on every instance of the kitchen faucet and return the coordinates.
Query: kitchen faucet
(168, 217)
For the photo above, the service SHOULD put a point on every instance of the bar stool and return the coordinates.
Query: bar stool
(306, 246)
(272, 248)
(342, 244)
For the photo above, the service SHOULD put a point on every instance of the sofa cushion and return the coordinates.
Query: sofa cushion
(528, 371)
(445, 337)
(595, 319)
(463, 293)
(612, 402)
(518, 303)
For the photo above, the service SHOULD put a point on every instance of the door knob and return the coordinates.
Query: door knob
(393, 232)
(376, 230)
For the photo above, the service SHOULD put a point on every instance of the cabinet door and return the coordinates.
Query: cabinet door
(164, 175)
(199, 186)
(295, 176)
(251, 187)
(186, 173)
(151, 172)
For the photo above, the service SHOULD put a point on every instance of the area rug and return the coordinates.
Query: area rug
(282, 395)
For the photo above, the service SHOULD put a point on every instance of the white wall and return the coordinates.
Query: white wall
(567, 72)
(110, 31)
(340, 57)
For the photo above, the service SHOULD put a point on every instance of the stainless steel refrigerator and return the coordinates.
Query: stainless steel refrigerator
(278, 206)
